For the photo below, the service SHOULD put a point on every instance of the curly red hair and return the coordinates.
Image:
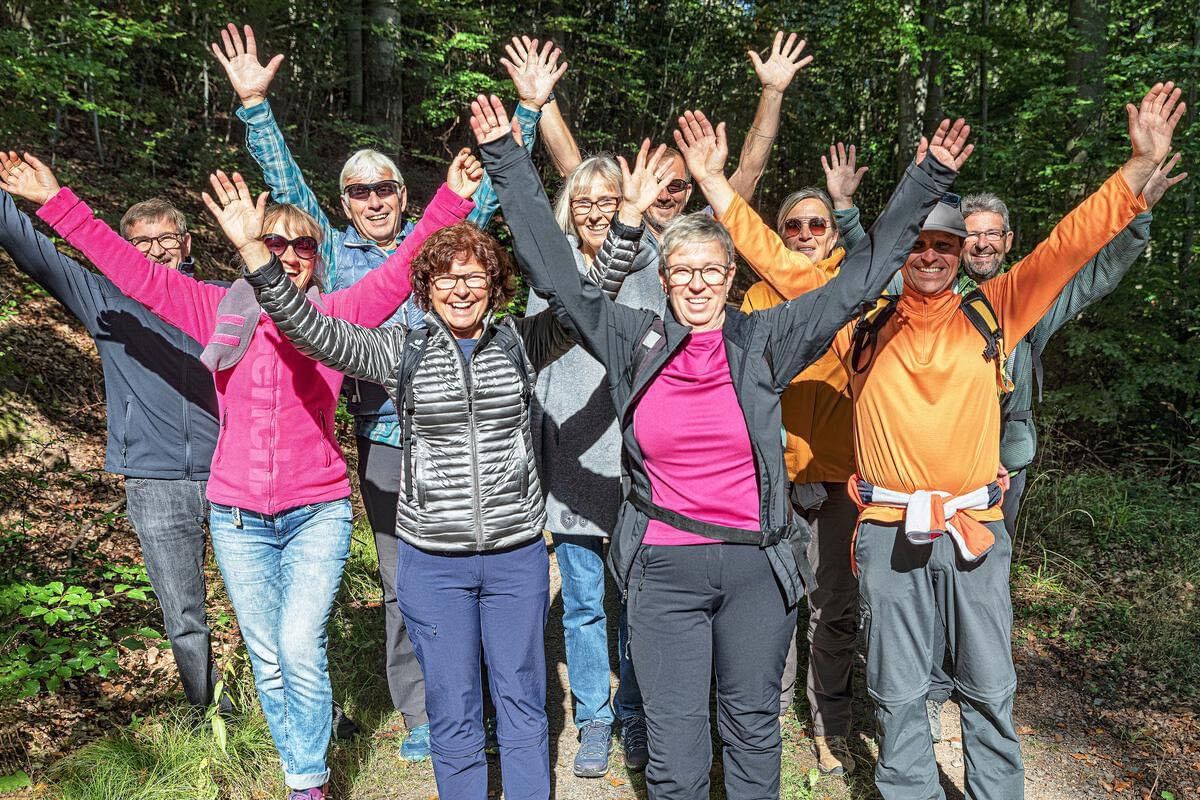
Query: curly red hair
(463, 240)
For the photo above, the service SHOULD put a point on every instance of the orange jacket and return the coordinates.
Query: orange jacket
(817, 413)
(926, 410)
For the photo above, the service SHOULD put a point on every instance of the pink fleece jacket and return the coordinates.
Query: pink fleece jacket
(276, 449)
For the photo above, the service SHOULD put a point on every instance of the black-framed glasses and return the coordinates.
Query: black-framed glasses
(304, 246)
(363, 191)
(987, 236)
(607, 205)
(711, 274)
(167, 241)
(678, 185)
(816, 225)
(473, 280)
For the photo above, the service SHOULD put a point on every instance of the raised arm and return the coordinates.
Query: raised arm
(78, 289)
(372, 300)
(842, 178)
(704, 150)
(180, 300)
(803, 328)
(542, 250)
(535, 72)
(775, 74)
(251, 80)
(1024, 294)
(1100, 276)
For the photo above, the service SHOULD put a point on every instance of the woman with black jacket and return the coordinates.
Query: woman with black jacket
(705, 551)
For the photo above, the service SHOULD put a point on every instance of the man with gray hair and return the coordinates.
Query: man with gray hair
(374, 198)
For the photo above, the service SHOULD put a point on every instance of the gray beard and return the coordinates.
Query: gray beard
(979, 277)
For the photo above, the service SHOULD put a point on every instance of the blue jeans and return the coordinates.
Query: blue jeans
(282, 572)
(585, 625)
(168, 517)
(454, 604)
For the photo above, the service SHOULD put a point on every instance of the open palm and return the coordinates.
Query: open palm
(705, 149)
(642, 186)
(250, 78)
(533, 72)
(237, 212)
(781, 66)
(1152, 123)
(27, 178)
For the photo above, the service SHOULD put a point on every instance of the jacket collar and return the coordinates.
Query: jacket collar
(188, 267)
(352, 238)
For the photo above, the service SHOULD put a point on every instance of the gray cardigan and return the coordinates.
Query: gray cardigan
(575, 435)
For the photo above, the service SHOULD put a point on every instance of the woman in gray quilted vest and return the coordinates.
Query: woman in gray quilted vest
(473, 570)
(578, 450)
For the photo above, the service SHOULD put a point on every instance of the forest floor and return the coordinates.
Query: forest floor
(1098, 715)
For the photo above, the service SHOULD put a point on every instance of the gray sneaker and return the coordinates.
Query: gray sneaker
(933, 710)
(595, 742)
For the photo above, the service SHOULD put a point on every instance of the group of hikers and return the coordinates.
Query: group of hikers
(855, 436)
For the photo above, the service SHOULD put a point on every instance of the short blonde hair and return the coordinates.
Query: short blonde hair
(691, 229)
(367, 163)
(602, 166)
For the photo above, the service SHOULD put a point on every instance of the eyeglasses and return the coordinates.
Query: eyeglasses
(711, 274)
(678, 185)
(991, 236)
(363, 191)
(303, 246)
(607, 205)
(474, 280)
(167, 241)
(816, 225)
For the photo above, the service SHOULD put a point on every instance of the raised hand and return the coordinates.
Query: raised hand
(783, 63)
(704, 148)
(1152, 124)
(534, 72)
(465, 173)
(841, 177)
(489, 120)
(239, 215)
(948, 145)
(27, 178)
(249, 77)
(1161, 180)
(641, 187)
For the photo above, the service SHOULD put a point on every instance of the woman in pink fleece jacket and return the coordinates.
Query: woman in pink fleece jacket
(280, 513)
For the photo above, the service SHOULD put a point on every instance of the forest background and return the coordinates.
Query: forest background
(128, 102)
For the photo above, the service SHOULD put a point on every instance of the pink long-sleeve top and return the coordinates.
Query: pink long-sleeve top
(277, 447)
(696, 448)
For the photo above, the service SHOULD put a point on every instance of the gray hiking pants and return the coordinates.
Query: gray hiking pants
(832, 617)
(941, 685)
(906, 591)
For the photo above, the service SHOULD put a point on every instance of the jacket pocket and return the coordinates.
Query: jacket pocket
(128, 415)
(419, 457)
(523, 465)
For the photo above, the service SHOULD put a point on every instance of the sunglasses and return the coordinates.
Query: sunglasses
(678, 185)
(816, 225)
(303, 246)
(363, 191)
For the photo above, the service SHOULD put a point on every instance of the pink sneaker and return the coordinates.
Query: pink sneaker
(315, 793)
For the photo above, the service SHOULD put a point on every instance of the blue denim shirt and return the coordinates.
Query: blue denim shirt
(346, 256)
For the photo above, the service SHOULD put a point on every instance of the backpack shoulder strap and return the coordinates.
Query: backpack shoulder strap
(415, 342)
(978, 310)
(866, 331)
(510, 341)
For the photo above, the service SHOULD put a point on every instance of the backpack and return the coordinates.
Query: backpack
(974, 305)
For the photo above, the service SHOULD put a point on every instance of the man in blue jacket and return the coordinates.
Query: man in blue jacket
(162, 416)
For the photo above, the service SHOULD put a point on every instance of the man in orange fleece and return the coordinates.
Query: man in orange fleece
(927, 435)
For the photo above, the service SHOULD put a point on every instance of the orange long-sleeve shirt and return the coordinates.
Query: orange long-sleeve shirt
(926, 410)
(817, 413)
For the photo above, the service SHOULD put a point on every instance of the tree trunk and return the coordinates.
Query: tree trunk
(354, 58)
(1189, 201)
(931, 23)
(383, 17)
(910, 97)
(1087, 22)
(981, 136)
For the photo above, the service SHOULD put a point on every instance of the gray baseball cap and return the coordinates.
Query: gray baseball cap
(946, 217)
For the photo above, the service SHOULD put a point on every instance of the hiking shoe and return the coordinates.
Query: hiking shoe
(344, 728)
(491, 743)
(315, 793)
(635, 743)
(595, 742)
(933, 710)
(415, 746)
(833, 755)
